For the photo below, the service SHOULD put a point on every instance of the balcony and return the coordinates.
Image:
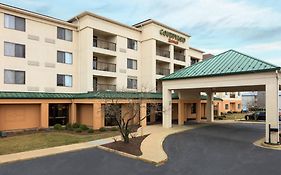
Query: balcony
(194, 60)
(162, 52)
(179, 56)
(162, 71)
(104, 44)
(232, 96)
(105, 87)
(102, 66)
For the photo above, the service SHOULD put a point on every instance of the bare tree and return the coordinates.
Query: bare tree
(130, 118)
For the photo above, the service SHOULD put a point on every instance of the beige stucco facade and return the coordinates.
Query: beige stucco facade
(41, 46)
(157, 50)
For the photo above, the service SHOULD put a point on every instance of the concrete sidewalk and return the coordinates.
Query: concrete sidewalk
(152, 146)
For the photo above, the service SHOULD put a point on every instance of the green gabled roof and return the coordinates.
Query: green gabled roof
(89, 95)
(226, 63)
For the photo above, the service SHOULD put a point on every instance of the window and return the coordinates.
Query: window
(132, 64)
(14, 50)
(239, 106)
(14, 22)
(226, 106)
(132, 83)
(193, 108)
(64, 57)
(14, 77)
(64, 80)
(132, 44)
(64, 34)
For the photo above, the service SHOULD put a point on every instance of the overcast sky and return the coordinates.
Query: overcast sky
(250, 26)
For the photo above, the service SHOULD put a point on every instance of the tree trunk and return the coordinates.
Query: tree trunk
(126, 138)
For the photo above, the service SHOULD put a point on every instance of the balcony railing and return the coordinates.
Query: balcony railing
(163, 53)
(102, 66)
(105, 87)
(194, 61)
(104, 44)
(179, 56)
(232, 96)
(162, 71)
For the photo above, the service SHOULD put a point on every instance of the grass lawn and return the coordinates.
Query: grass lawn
(39, 140)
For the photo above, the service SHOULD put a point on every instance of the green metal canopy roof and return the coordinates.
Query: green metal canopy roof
(226, 63)
(35, 95)
(89, 95)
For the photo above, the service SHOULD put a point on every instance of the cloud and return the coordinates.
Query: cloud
(264, 47)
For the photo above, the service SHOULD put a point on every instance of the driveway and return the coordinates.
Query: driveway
(217, 149)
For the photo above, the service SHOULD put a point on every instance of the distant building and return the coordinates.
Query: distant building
(208, 55)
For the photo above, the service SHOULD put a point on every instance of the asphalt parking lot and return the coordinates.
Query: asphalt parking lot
(217, 149)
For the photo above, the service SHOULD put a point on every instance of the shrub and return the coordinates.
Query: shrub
(90, 131)
(114, 129)
(83, 127)
(58, 127)
(78, 130)
(102, 129)
(75, 125)
(68, 126)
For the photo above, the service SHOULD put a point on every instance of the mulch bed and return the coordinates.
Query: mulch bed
(133, 147)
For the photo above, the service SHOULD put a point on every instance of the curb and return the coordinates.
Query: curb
(260, 143)
(131, 155)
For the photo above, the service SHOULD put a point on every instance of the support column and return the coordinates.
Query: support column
(167, 108)
(97, 116)
(187, 58)
(210, 107)
(44, 115)
(180, 112)
(219, 108)
(171, 66)
(143, 114)
(152, 114)
(198, 111)
(73, 113)
(272, 111)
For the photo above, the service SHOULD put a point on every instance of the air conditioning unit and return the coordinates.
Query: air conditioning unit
(3, 134)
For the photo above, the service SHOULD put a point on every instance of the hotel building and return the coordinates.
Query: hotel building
(51, 68)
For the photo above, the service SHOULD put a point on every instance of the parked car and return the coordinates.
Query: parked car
(245, 110)
(258, 115)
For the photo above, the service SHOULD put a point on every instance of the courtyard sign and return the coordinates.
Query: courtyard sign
(173, 38)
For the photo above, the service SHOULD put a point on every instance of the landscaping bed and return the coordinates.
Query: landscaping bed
(229, 116)
(32, 140)
(133, 147)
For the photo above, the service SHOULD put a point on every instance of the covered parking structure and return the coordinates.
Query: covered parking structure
(230, 71)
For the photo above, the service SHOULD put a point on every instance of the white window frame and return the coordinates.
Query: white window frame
(67, 57)
(14, 47)
(67, 80)
(134, 64)
(67, 34)
(12, 22)
(14, 79)
(132, 44)
(134, 82)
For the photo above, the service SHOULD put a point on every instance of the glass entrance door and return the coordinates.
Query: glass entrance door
(58, 114)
